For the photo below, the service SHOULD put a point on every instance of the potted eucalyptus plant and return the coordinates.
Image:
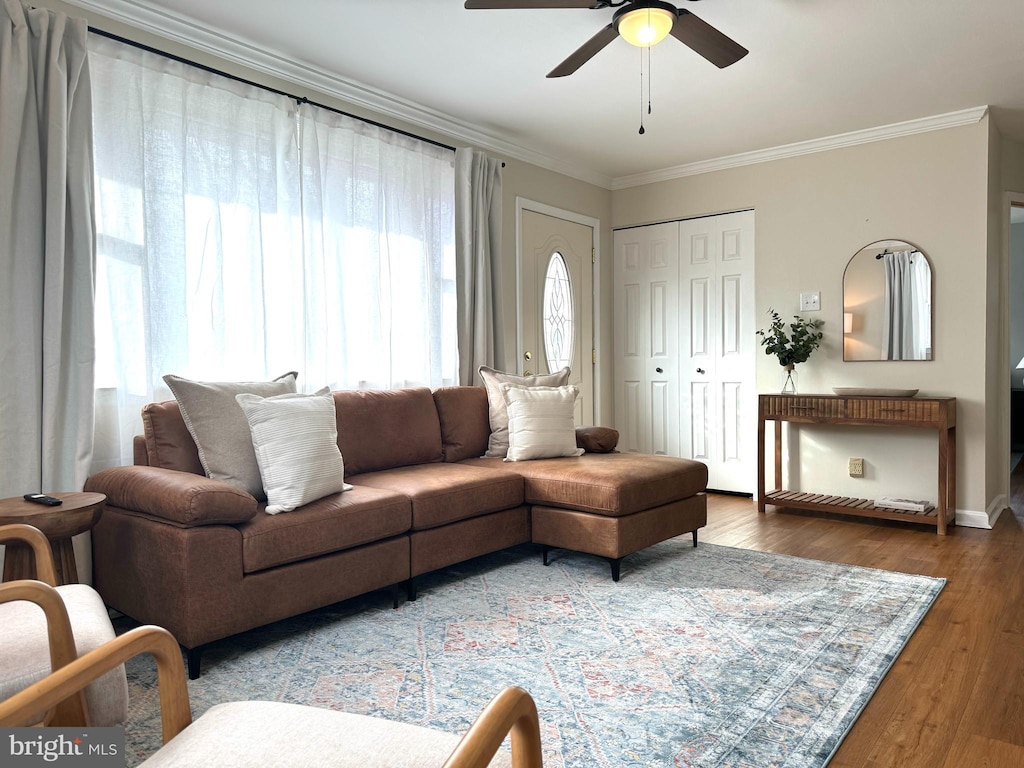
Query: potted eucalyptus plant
(791, 345)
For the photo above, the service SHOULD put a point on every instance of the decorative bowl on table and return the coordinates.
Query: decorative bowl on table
(874, 392)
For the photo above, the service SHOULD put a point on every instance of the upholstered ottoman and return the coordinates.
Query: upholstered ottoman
(610, 504)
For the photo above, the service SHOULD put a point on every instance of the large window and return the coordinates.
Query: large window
(240, 235)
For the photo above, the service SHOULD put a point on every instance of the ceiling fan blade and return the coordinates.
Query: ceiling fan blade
(585, 52)
(706, 40)
(499, 5)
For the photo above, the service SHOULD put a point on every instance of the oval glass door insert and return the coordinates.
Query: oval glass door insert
(558, 314)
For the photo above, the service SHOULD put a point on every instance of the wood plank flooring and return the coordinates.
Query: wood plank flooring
(955, 696)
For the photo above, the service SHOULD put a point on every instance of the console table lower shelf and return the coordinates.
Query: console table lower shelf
(846, 505)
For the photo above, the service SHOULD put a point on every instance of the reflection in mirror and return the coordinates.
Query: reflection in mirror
(887, 303)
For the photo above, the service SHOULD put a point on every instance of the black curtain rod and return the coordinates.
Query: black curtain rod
(887, 252)
(299, 99)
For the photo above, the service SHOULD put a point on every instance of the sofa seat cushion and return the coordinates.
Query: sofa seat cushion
(333, 523)
(242, 734)
(444, 493)
(605, 483)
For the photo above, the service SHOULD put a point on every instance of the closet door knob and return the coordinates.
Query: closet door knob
(700, 371)
(659, 370)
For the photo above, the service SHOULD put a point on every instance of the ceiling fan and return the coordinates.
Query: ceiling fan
(640, 22)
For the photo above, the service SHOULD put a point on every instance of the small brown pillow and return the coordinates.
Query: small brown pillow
(597, 439)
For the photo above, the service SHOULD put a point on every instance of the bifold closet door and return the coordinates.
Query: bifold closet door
(718, 398)
(646, 278)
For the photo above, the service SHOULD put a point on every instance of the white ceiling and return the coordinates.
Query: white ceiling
(816, 68)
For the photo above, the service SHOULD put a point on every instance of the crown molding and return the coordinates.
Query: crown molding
(881, 133)
(180, 29)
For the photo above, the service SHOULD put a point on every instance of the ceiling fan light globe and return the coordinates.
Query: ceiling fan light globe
(644, 27)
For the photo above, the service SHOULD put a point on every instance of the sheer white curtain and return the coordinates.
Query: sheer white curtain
(378, 220)
(240, 237)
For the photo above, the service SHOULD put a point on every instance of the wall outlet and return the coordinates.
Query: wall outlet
(810, 301)
(856, 467)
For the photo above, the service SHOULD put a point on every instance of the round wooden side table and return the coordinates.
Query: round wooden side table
(79, 513)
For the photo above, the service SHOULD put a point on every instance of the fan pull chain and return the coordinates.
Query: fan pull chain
(650, 78)
(642, 131)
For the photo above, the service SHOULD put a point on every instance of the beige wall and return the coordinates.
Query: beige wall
(812, 214)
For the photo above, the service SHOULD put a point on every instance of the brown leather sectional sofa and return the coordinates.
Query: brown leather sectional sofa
(200, 557)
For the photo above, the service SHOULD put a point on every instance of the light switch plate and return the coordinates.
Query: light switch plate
(810, 301)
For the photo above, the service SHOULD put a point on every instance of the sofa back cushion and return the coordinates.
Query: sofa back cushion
(169, 444)
(380, 429)
(465, 427)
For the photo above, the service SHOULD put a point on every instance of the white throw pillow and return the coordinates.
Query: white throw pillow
(218, 426)
(497, 413)
(295, 438)
(541, 422)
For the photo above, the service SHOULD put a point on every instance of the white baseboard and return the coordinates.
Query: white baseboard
(972, 518)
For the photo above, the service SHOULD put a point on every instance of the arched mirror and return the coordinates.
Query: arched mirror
(887, 303)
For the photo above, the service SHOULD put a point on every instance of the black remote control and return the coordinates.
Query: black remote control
(40, 498)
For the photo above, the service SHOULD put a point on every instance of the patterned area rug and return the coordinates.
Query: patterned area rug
(705, 657)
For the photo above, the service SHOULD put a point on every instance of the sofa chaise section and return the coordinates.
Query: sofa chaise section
(606, 504)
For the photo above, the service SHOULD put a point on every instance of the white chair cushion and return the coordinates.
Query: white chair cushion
(25, 656)
(244, 734)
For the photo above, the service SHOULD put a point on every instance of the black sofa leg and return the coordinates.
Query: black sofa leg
(394, 596)
(616, 564)
(410, 590)
(544, 549)
(695, 537)
(193, 655)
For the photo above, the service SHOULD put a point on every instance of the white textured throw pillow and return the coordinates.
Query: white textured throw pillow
(541, 422)
(497, 413)
(295, 438)
(219, 428)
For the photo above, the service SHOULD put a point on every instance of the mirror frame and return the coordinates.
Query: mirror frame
(873, 249)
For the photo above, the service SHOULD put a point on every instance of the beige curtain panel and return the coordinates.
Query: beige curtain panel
(46, 252)
(478, 263)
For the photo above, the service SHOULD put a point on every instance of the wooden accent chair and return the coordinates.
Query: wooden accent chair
(35, 642)
(244, 734)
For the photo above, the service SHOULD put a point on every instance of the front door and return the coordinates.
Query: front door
(556, 319)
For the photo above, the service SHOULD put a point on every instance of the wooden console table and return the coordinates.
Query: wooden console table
(937, 413)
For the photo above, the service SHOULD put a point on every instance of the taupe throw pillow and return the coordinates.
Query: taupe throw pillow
(219, 427)
(497, 410)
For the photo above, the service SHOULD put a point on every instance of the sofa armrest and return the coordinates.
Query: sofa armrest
(180, 497)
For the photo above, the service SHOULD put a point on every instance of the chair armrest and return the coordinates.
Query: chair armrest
(36, 539)
(175, 713)
(511, 711)
(71, 709)
(180, 497)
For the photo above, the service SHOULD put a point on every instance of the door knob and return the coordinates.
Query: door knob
(659, 370)
(700, 371)
(527, 356)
